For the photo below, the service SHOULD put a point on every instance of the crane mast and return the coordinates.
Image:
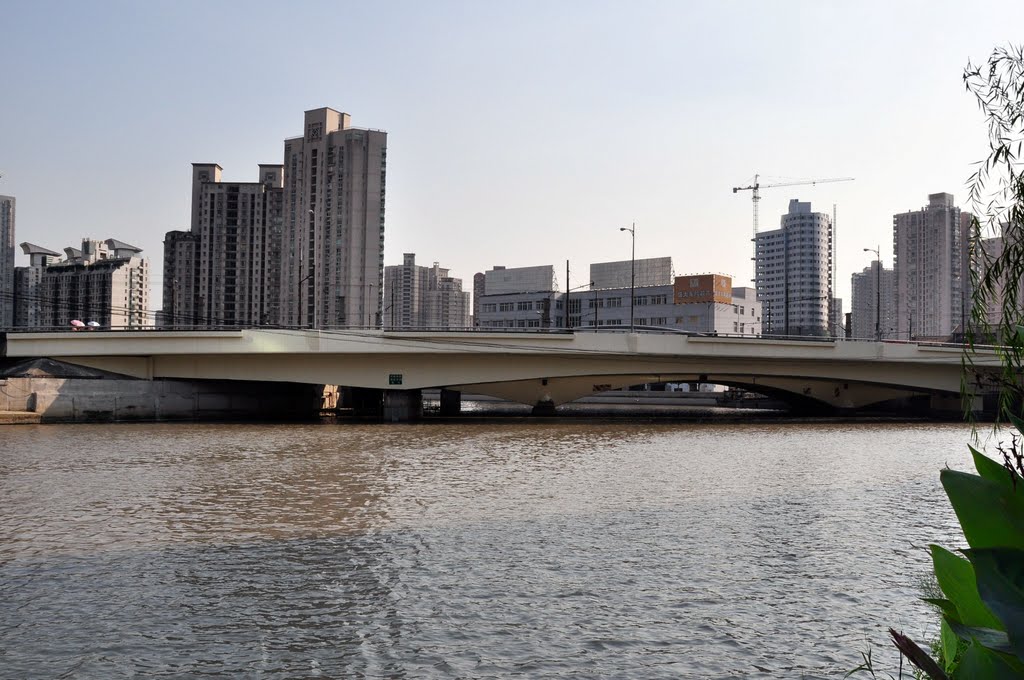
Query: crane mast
(756, 187)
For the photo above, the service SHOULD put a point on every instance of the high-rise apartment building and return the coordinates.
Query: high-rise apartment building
(226, 270)
(239, 228)
(479, 290)
(928, 267)
(7, 205)
(28, 286)
(106, 282)
(181, 304)
(873, 290)
(991, 313)
(793, 272)
(333, 247)
(837, 324)
(423, 297)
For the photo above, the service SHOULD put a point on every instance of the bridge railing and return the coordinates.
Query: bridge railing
(647, 330)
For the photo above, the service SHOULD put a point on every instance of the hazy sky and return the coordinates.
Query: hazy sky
(520, 133)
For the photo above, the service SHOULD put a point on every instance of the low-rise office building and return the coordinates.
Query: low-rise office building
(703, 303)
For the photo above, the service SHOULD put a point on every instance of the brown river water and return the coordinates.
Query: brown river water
(546, 549)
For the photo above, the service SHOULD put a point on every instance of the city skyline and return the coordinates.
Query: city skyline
(505, 154)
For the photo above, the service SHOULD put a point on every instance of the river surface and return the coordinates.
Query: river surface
(551, 549)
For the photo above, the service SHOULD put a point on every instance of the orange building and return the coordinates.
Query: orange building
(702, 288)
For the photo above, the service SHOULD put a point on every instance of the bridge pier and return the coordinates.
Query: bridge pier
(388, 406)
(451, 402)
(544, 408)
(402, 406)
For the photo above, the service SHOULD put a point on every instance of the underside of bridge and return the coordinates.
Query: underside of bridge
(802, 395)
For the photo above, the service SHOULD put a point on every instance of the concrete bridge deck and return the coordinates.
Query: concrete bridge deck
(547, 368)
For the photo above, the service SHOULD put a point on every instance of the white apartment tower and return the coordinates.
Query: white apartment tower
(928, 266)
(874, 285)
(793, 272)
(333, 245)
(423, 297)
(7, 204)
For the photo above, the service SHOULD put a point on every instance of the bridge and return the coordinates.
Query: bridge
(543, 369)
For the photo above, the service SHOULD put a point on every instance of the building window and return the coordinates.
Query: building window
(524, 306)
(506, 307)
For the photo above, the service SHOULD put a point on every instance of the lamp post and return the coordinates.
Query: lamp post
(632, 271)
(878, 291)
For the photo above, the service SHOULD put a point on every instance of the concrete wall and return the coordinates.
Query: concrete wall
(88, 400)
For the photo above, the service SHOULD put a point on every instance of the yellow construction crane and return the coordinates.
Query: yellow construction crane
(756, 187)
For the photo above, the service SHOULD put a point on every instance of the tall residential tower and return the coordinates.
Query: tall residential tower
(6, 261)
(423, 297)
(333, 254)
(793, 272)
(928, 264)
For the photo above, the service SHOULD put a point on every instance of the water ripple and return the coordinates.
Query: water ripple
(548, 550)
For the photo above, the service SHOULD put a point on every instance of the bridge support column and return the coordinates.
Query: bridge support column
(389, 406)
(544, 408)
(951, 407)
(402, 406)
(451, 402)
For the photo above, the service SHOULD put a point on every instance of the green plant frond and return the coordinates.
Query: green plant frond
(1000, 578)
(955, 576)
(990, 513)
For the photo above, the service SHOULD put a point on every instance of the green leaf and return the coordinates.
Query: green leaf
(990, 513)
(1017, 422)
(989, 637)
(949, 643)
(992, 470)
(999, 573)
(956, 580)
(948, 608)
(979, 663)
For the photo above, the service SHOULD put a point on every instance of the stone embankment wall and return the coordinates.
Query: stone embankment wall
(106, 400)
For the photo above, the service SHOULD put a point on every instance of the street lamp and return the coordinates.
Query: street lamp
(878, 291)
(632, 271)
